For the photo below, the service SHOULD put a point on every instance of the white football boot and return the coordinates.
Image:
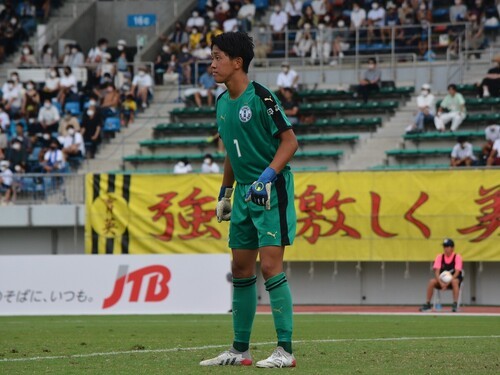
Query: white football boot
(229, 358)
(279, 358)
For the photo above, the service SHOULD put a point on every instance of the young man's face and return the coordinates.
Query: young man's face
(448, 250)
(222, 66)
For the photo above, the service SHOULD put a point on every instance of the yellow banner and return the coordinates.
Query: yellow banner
(345, 216)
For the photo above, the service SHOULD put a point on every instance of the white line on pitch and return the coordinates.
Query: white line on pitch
(180, 349)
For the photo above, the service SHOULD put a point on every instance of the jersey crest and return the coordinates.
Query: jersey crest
(245, 113)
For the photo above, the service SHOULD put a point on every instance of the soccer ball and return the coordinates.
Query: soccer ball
(445, 277)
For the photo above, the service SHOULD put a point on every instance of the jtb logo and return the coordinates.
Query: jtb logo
(157, 289)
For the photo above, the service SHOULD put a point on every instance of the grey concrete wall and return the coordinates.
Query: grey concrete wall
(83, 30)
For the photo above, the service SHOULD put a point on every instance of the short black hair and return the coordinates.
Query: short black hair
(452, 86)
(236, 44)
(372, 60)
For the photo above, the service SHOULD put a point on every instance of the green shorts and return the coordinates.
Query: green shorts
(252, 226)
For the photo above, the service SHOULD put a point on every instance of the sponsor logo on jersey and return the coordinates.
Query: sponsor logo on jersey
(245, 113)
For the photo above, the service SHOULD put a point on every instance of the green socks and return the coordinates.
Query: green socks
(244, 308)
(282, 309)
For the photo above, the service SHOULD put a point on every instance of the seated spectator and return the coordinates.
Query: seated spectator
(324, 43)
(69, 119)
(462, 154)
(425, 110)
(128, 109)
(48, 59)
(490, 85)
(142, 87)
(16, 154)
(72, 143)
(105, 70)
(209, 165)
(12, 97)
(340, 35)
(178, 37)
(370, 82)
(475, 34)
(202, 51)
(195, 21)
(183, 166)
(68, 87)
(213, 32)
(447, 261)
(309, 17)
(494, 158)
(110, 103)
(96, 54)
(4, 119)
(91, 130)
(21, 137)
(27, 58)
(76, 57)
(263, 44)
(454, 104)
(53, 160)
(305, 43)
(31, 103)
(492, 133)
(48, 119)
(195, 38)
(278, 22)
(206, 88)
(391, 20)
(161, 63)
(458, 12)
(293, 8)
(51, 86)
(320, 8)
(6, 180)
(287, 78)
(290, 105)
(358, 17)
(375, 20)
(246, 15)
(185, 59)
(122, 61)
(230, 23)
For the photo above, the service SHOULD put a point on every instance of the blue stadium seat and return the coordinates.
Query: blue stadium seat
(73, 107)
(112, 124)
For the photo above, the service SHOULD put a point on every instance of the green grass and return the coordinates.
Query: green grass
(353, 344)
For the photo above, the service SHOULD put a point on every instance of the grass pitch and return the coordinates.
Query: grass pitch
(325, 344)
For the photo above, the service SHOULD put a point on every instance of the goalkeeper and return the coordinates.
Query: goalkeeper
(259, 143)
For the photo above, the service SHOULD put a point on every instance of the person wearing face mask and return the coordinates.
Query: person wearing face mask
(195, 38)
(53, 160)
(142, 87)
(110, 101)
(177, 38)
(358, 17)
(287, 78)
(324, 42)
(12, 97)
(305, 43)
(278, 22)
(48, 58)
(48, 117)
(425, 110)
(213, 32)
(4, 119)
(263, 44)
(16, 154)
(246, 15)
(370, 81)
(68, 89)
(195, 21)
(161, 63)
(458, 12)
(209, 165)
(6, 179)
(91, 130)
(375, 20)
(475, 34)
(95, 54)
(51, 86)
(31, 102)
(185, 60)
(72, 144)
(68, 120)
(183, 166)
(75, 58)
(27, 58)
(293, 8)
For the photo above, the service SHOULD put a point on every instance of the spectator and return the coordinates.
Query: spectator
(161, 63)
(69, 119)
(490, 85)
(4, 125)
(12, 97)
(462, 154)
(278, 22)
(339, 35)
(309, 17)
(178, 37)
(185, 59)
(63, 59)
(128, 109)
(406, 13)
(121, 46)
(475, 34)
(230, 23)
(27, 58)
(375, 20)
(6, 177)
(206, 88)
(305, 44)
(290, 105)
(263, 44)
(448, 261)
(425, 110)
(91, 130)
(195, 38)
(22, 139)
(287, 78)
(454, 103)
(293, 9)
(213, 32)
(122, 61)
(48, 58)
(53, 160)
(16, 154)
(195, 21)
(494, 158)
(72, 143)
(358, 17)
(110, 101)
(142, 87)
(183, 166)
(203, 51)
(209, 165)
(31, 102)
(391, 21)
(68, 87)
(324, 43)
(491, 133)
(458, 12)
(246, 15)
(51, 86)
(96, 54)
(320, 8)
(75, 58)
(370, 81)
(48, 118)
(105, 70)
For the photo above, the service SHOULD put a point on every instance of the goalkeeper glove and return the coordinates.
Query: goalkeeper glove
(223, 210)
(260, 191)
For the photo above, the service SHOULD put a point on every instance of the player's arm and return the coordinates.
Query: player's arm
(287, 148)
(228, 176)
(223, 210)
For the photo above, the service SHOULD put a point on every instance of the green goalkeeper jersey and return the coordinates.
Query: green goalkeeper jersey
(250, 127)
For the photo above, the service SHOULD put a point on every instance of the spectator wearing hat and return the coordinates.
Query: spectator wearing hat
(209, 165)
(446, 261)
(490, 85)
(454, 104)
(425, 110)
(491, 134)
(53, 160)
(287, 78)
(462, 154)
(370, 81)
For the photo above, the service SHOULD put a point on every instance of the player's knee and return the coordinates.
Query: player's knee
(269, 269)
(241, 270)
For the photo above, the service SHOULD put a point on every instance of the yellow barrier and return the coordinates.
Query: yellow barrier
(347, 216)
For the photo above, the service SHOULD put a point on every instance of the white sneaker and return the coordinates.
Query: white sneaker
(229, 358)
(279, 358)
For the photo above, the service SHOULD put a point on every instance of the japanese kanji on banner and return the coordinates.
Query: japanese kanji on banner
(345, 216)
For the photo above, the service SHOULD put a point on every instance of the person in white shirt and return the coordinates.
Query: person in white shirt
(4, 119)
(425, 110)
(278, 22)
(209, 165)
(72, 143)
(195, 21)
(305, 43)
(494, 158)
(287, 77)
(246, 15)
(183, 166)
(53, 160)
(142, 87)
(320, 7)
(462, 154)
(96, 53)
(51, 86)
(12, 97)
(48, 117)
(358, 17)
(6, 177)
(293, 8)
(68, 86)
(375, 20)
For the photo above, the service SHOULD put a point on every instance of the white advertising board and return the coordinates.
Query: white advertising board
(114, 284)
